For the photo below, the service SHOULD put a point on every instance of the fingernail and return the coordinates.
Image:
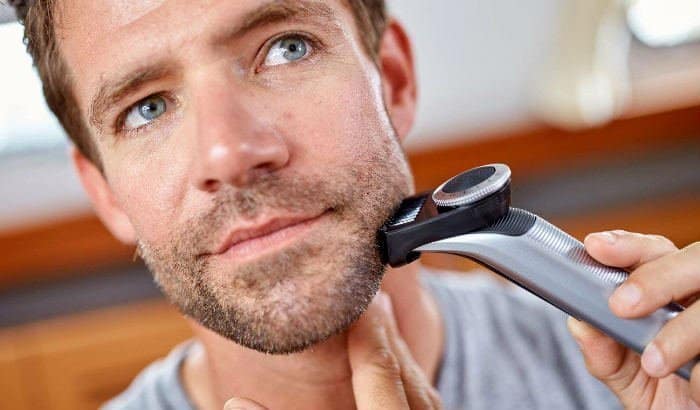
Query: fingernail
(385, 302)
(653, 361)
(576, 330)
(627, 294)
(238, 403)
(234, 405)
(607, 237)
(378, 299)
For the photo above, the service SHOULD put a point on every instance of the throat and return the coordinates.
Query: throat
(316, 378)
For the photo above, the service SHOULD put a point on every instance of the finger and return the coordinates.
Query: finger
(624, 249)
(419, 392)
(675, 344)
(376, 374)
(695, 385)
(239, 403)
(617, 367)
(672, 277)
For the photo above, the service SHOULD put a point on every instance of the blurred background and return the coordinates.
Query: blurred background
(594, 104)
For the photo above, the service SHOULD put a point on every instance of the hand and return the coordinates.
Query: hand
(384, 374)
(660, 273)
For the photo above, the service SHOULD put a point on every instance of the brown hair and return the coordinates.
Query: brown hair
(38, 17)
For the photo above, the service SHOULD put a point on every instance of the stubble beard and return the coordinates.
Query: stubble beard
(286, 301)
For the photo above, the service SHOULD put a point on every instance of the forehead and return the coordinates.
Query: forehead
(98, 38)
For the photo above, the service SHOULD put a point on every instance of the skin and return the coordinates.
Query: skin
(229, 127)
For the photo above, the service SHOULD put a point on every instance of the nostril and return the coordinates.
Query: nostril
(264, 168)
(212, 185)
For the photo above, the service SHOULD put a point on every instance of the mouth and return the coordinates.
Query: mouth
(252, 240)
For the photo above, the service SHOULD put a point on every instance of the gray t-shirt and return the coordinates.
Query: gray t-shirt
(504, 349)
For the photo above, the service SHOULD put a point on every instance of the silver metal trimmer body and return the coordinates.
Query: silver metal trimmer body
(555, 266)
(522, 247)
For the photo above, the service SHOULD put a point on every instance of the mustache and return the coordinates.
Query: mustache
(271, 194)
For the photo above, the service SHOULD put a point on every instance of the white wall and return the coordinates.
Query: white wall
(476, 62)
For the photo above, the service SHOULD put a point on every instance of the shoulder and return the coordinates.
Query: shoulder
(489, 308)
(481, 295)
(506, 348)
(158, 386)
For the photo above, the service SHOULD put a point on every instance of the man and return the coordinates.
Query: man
(251, 149)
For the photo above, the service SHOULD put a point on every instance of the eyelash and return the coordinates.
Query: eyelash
(316, 46)
(121, 118)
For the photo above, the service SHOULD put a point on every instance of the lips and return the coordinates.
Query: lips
(242, 234)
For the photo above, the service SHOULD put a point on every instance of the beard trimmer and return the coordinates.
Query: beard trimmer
(470, 215)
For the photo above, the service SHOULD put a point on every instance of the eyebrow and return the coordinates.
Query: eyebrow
(111, 93)
(274, 11)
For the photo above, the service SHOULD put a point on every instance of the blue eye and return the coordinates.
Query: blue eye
(144, 112)
(287, 50)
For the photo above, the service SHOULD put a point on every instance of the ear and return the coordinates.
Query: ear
(398, 77)
(102, 198)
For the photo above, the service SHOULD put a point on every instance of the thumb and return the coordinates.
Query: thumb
(238, 403)
(610, 362)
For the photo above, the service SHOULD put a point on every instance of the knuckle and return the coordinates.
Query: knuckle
(385, 361)
(435, 398)
(616, 374)
(419, 398)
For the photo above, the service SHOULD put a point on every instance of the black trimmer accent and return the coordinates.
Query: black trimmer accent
(419, 221)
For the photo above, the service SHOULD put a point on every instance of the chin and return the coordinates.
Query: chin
(288, 311)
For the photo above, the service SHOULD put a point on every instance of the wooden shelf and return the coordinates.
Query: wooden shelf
(78, 362)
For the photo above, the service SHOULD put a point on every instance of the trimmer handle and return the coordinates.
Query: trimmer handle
(543, 259)
(470, 215)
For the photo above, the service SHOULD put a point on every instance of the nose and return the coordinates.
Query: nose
(233, 145)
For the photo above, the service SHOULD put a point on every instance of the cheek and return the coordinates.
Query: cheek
(148, 191)
(334, 121)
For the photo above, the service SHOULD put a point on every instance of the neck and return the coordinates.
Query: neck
(318, 377)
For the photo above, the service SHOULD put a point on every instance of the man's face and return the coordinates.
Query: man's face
(248, 146)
